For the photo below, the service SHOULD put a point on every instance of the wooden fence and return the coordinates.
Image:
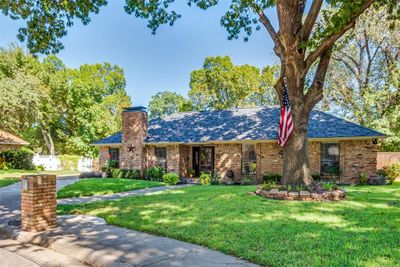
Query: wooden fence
(387, 158)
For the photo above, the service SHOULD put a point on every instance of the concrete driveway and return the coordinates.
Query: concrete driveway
(10, 198)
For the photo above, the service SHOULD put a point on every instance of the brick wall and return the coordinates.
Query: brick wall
(134, 130)
(314, 156)
(228, 157)
(357, 157)
(38, 202)
(173, 158)
(184, 160)
(103, 156)
(270, 159)
(150, 156)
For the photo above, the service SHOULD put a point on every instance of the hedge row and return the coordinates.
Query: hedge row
(17, 159)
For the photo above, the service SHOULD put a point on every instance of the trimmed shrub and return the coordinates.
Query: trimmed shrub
(89, 175)
(362, 179)
(17, 159)
(126, 174)
(215, 178)
(3, 164)
(247, 180)
(272, 178)
(205, 178)
(269, 185)
(69, 162)
(316, 177)
(328, 186)
(171, 178)
(392, 172)
(155, 173)
(39, 168)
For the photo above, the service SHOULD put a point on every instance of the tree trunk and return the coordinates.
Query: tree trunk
(296, 167)
(47, 139)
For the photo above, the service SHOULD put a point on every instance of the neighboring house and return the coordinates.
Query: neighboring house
(242, 142)
(9, 141)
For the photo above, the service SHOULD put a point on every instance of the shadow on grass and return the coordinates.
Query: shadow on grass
(362, 230)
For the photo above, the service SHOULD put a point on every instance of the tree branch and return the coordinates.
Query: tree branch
(315, 94)
(279, 84)
(330, 40)
(347, 64)
(311, 18)
(268, 25)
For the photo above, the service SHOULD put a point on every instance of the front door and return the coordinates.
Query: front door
(203, 160)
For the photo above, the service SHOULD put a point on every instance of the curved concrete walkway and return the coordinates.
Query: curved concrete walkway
(138, 192)
(91, 241)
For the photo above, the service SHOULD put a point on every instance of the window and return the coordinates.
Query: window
(114, 155)
(330, 160)
(161, 157)
(249, 159)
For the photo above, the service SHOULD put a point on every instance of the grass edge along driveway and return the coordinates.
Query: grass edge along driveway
(363, 230)
(106, 186)
(8, 181)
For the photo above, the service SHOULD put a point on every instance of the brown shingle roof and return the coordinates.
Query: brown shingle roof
(9, 139)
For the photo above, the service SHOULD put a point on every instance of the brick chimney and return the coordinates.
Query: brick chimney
(134, 131)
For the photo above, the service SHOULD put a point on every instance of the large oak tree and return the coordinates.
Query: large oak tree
(300, 43)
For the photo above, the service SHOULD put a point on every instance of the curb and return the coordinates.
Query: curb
(67, 176)
(63, 245)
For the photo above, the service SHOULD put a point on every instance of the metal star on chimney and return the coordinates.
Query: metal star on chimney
(131, 148)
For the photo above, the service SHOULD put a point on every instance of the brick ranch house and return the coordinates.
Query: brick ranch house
(238, 142)
(9, 141)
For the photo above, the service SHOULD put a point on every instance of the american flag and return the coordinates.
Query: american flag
(286, 123)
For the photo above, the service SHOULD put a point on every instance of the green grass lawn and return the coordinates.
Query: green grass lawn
(96, 186)
(8, 181)
(363, 230)
(18, 173)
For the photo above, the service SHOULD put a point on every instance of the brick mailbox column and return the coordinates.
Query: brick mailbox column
(38, 202)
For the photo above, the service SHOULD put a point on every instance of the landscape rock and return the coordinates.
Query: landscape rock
(293, 195)
(305, 195)
(282, 194)
(327, 195)
(335, 195)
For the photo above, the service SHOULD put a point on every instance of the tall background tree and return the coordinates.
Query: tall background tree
(167, 103)
(300, 43)
(59, 109)
(221, 85)
(363, 83)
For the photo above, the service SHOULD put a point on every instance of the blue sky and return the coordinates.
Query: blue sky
(154, 63)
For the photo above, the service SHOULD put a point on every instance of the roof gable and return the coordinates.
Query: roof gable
(10, 139)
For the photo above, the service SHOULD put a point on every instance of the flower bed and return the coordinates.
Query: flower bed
(275, 193)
